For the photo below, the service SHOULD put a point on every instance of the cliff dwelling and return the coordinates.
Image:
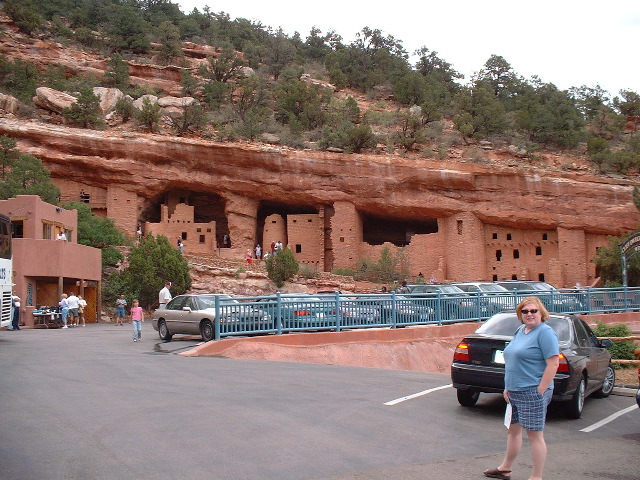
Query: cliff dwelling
(448, 220)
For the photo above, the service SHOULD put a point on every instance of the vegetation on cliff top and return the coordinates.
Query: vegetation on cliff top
(406, 103)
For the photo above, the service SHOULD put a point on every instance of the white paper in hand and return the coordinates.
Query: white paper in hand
(507, 416)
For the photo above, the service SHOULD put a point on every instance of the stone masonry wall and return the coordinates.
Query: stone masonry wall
(123, 208)
(305, 234)
(346, 235)
(572, 250)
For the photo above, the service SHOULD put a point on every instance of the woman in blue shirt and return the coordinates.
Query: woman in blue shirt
(531, 362)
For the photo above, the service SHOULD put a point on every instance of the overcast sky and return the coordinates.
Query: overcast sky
(565, 42)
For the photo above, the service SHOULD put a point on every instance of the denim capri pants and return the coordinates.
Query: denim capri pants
(530, 408)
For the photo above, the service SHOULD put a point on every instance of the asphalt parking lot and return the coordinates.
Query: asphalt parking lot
(90, 403)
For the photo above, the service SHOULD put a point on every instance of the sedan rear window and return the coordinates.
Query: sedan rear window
(505, 324)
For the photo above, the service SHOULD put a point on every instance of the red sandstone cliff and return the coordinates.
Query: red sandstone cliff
(387, 185)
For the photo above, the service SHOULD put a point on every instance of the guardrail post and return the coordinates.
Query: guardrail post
(216, 322)
(278, 318)
(338, 316)
(439, 309)
(394, 312)
(626, 298)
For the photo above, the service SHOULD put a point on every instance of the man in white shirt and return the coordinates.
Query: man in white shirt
(73, 303)
(164, 296)
(61, 236)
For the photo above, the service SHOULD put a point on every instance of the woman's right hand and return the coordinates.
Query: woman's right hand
(505, 394)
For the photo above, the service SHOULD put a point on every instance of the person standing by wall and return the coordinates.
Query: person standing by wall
(531, 362)
(64, 310)
(72, 301)
(15, 319)
(137, 317)
(121, 303)
(164, 296)
(82, 303)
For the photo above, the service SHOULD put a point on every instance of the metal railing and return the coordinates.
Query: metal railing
(284, 313)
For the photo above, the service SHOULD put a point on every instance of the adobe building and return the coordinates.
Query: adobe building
(44, 267)
(327, 237)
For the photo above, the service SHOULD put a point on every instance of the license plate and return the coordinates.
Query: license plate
(498, 356)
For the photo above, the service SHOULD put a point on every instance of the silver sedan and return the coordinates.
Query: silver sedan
(195, 315)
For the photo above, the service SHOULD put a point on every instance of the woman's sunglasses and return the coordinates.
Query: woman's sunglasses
(533, 310)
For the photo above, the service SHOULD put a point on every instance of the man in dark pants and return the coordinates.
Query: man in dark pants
(15, 321)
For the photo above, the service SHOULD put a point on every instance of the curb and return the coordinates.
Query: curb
(624, 391)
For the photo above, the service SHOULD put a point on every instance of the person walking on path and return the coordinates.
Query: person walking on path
(137, 317)
(164, 296)
(64, 310)
(121, 303)
(531, 362)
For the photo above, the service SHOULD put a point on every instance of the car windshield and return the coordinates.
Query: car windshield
(491, 288)
(209, 301)
(505, 325)
(436, 289)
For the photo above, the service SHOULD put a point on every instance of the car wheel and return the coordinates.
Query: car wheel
(576, 404)
(163, 331)
(467, 398)
(608, 383)
(206, 330)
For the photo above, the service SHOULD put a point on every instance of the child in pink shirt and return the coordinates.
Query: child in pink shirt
(137, 317)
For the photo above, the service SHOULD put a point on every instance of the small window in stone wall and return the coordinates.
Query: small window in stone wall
(545, 236)
(298, 248)
(516, 254)
(295, 221)
(495, 236)
(541, 277)
(184, 235)
(309, 220)
(498, 255)
(495, 278)
(459, 227)
(84, 197)
(538, 251)
(202, 238)
(198, 230)
(208, 230)
(514, 277)
(508, 236)
(342, 239)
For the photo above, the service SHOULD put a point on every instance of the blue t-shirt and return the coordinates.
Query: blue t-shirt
(525, 357)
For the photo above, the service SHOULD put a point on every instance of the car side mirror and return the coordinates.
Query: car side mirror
(186, 309)
(606, 342)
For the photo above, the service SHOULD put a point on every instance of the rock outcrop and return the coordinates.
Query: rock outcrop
(385, 185)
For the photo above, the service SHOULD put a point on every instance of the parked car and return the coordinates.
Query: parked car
(407, 310)
(300, 311)
(585, 363)
(447, 301)
(492, 298)
(560, 301)
(195, 315)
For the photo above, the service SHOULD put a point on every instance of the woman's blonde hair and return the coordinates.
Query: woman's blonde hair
(541, 308)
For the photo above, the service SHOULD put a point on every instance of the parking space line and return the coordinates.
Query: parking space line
(610, 418)
(415, 395)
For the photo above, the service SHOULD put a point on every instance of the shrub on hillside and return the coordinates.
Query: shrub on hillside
(282, 267)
